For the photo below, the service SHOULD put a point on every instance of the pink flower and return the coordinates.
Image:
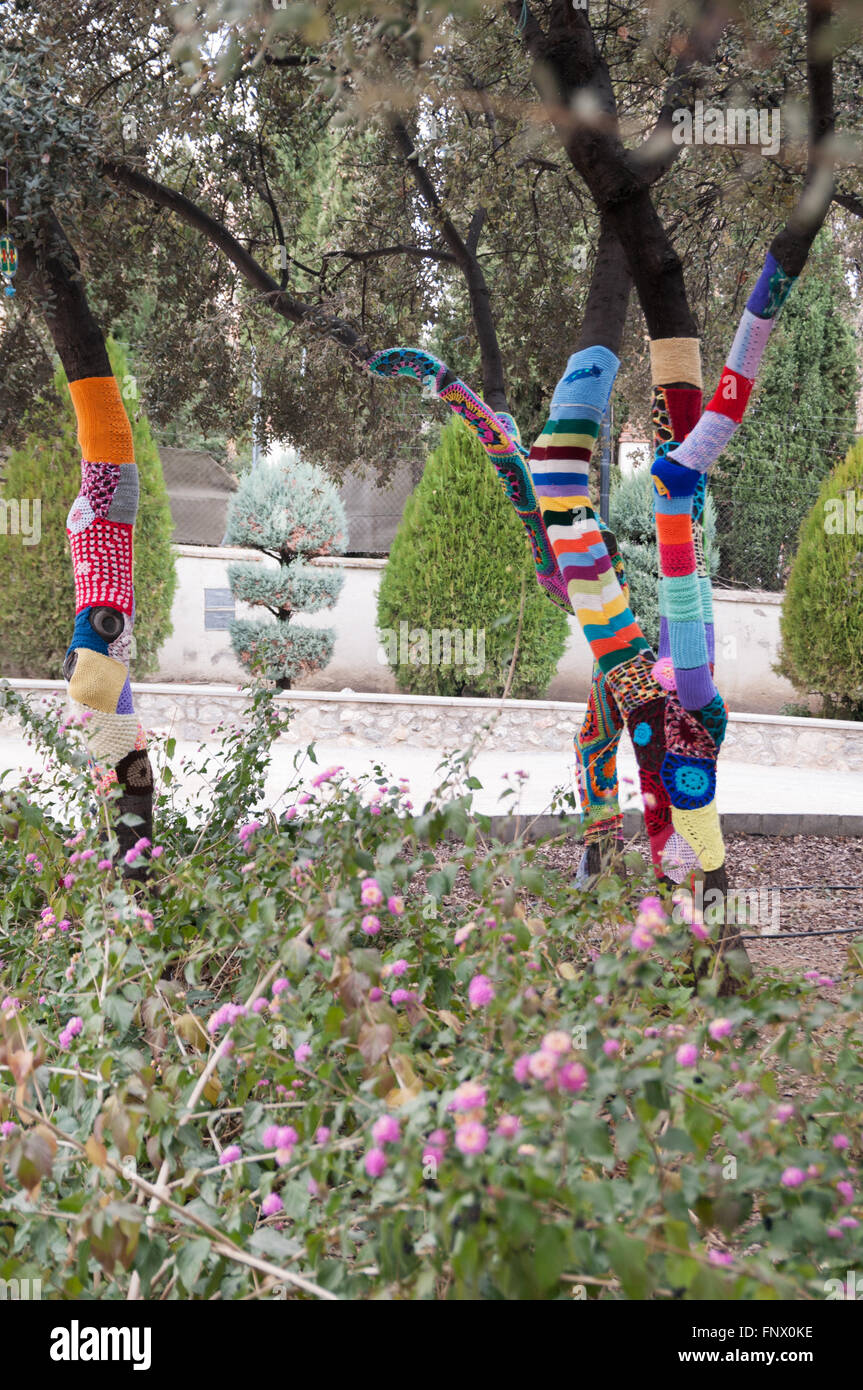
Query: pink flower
(395, 905)
(841, 1141)
(462, 933)
(719, 1028)
(719, 1257)
(104, 864)
(542, 1065)
(371, 924)
(370, 893)
(290, 813)
(611, 1047)
(557, 1042)
(386, 1131)
(471, 1137)
(848, 1222)
(158, 851)
(687, 1055)
(521, 1068)
(640, 939)
(328, 775)
(64, 924)
(846, 1191)
(375, 993)
(230, 1154)
(375, 1162)
(322, 1135)
(7, 1128)
(572, 1077)
(508, 1126)
(271, 1204)
(480, 991)
(651, 1032)
(403, 996)
(246, 832)
(259, 1006)
(793, 1177)
(398, 967)
(302, 1053)
(270, 1137)
(470, 1095)
(699, 931)
(784, 1112)
(281, 985)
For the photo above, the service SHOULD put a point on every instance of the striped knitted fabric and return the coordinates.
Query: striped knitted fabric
(499, 436)
(596, 743)
(100, 528)
(559, 465)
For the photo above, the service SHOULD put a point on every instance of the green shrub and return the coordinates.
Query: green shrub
(448, 607)
(398, 953)
(630, 516)
(800, 419)
(37, 590)
(289, 510)
(822, 616)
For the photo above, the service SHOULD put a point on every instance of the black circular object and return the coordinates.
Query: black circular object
(107, 623)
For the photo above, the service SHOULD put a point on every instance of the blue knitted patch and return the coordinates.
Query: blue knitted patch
(84, 636)
(690, 782)
(677, 480)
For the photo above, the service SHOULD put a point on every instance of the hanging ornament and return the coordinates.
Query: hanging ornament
(8, 263)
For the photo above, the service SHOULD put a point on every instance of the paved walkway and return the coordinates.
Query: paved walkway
(785, 795)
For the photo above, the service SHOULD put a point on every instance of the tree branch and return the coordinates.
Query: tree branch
(494, 387)
(286, 305)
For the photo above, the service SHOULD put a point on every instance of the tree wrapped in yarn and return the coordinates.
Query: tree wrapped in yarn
(290, 511)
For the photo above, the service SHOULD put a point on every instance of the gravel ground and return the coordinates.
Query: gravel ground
(776, 870)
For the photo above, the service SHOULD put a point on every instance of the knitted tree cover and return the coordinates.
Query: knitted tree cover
(597, 741)
(688, 443)
(100, 528)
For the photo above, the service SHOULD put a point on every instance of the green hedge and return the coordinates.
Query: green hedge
(453, 585)
(37, 592)
(822, 616)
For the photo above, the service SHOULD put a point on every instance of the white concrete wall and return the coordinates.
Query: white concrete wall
(747, 637)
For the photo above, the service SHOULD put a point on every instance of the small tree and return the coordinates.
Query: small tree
(801, 419)
(289, 510)
(37, 591)
(630, 516)
(822, 616)
(459, 597)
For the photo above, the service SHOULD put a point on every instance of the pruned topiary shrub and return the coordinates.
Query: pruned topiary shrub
(459, 597)
(822, 616)
(289, 510)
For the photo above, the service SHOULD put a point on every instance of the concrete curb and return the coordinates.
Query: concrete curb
(775, 824)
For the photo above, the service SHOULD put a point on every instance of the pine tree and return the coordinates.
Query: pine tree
(801, 419)
(37, 591)
(459, 575)
(822, 616)
(288, 509)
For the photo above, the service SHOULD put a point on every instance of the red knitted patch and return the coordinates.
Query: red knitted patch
(676, 560)
(657, 807)
(102, 562)
(732, 395)
(684, 408)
